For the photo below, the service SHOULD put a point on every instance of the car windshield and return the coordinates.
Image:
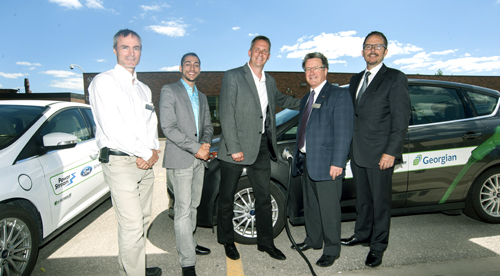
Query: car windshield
(14, 120)
(285, 115)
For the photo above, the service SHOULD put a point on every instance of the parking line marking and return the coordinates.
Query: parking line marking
(234, 268)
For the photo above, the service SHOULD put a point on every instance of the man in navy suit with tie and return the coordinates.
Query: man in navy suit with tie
(382, 107)
(323, 140)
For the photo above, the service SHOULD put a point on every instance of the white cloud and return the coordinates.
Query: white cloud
(255, 34)
(68, 83)
(397, 48)
(25, 63)
(435, 60)
(170, 28)
(60, 73)
(337, 61)
(95, 4)
(154, 7)
(468, 64)
(279, 56)
(1, 85)
(171, 68)
(237, 28)
(70, 4)
(101, 60)
(332, 45)
(12, 75)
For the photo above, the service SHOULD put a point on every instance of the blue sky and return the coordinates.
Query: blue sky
(41, 38)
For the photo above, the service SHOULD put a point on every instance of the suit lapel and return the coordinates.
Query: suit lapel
(184, 98)
(251, 83)
(379, 77)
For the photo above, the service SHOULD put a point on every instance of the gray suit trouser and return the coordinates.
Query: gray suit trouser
(187, 185)
(132, 194)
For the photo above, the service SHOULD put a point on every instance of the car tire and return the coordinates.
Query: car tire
(20, 251)
(483, 199)
(244, 224)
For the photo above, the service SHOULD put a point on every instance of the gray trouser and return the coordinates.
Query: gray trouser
(132, 194)
(187, 185)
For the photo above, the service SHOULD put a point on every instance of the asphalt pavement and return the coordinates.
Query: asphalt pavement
(431, 244)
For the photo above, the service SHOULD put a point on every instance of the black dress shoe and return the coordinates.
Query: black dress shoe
(231, 251)
(188, 271)
(352, 241)
(302, 246)
(272, 251)
(153, 271)
(374, 258)
(200, 250)
(326, 260)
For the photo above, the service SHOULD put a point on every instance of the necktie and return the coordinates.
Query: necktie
(305, 118)
(363, 87)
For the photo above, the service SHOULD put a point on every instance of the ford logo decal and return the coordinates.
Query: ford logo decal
(86, 171)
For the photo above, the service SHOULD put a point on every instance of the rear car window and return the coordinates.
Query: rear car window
(483, 104)
(431, 104)
(15, 120)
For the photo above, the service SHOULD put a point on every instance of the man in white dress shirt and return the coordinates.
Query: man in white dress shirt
(126, 133)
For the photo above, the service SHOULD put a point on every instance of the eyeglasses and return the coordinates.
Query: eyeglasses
(314, 69)
(373, 46)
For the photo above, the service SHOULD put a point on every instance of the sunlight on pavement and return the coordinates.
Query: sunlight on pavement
(492, 243)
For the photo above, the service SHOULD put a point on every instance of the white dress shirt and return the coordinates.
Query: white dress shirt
(262, 90)
(124, 113)
(373, 72)
(317, 90)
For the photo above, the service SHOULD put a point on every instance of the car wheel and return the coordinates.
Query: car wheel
(244, 222)
(19, 241)
(483, 200)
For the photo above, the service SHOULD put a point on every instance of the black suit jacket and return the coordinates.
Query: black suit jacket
(381, 117)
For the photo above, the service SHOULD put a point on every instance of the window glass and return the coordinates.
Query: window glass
(484, 104)
(430, 104)
(213, 104)
(90, 117)
(15, 120)
(69, 121)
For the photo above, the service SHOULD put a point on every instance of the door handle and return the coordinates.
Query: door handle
(94, 154)
(472, 135)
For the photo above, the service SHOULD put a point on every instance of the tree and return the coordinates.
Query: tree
(439, 72)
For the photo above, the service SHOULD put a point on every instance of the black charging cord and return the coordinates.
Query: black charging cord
(286, 154)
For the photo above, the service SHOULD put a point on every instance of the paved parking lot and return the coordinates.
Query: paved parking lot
(431, 244)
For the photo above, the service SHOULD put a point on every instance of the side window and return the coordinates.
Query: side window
(484, 104)
(431, 104)
(289, 135)
(69, 121)
(90, 119)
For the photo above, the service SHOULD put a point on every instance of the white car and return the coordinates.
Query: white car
(50, 176)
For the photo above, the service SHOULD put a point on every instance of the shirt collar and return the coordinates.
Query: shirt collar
(124, 74)
(374, 70)
(319, 87)
(188, 88)
(263, 79)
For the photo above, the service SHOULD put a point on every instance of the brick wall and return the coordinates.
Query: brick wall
(289, 83)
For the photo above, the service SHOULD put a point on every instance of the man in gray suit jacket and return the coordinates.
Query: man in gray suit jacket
(185, 121)
(323, 141)
(248, 101)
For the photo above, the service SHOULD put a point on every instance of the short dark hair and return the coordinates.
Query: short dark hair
(319, 55)
(125, 33)
(260, 37)
(379, 34)
(190, 54)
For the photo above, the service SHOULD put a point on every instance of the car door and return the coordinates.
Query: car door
(443, 132)
(73, 176)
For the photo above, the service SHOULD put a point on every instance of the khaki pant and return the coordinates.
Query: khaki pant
(131, 193)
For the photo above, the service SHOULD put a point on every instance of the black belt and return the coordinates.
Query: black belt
(118, 153)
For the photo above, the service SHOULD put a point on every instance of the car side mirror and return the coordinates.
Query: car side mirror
(58, 140)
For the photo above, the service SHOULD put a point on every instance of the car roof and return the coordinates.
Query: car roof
(42, 103)
(454, 84)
